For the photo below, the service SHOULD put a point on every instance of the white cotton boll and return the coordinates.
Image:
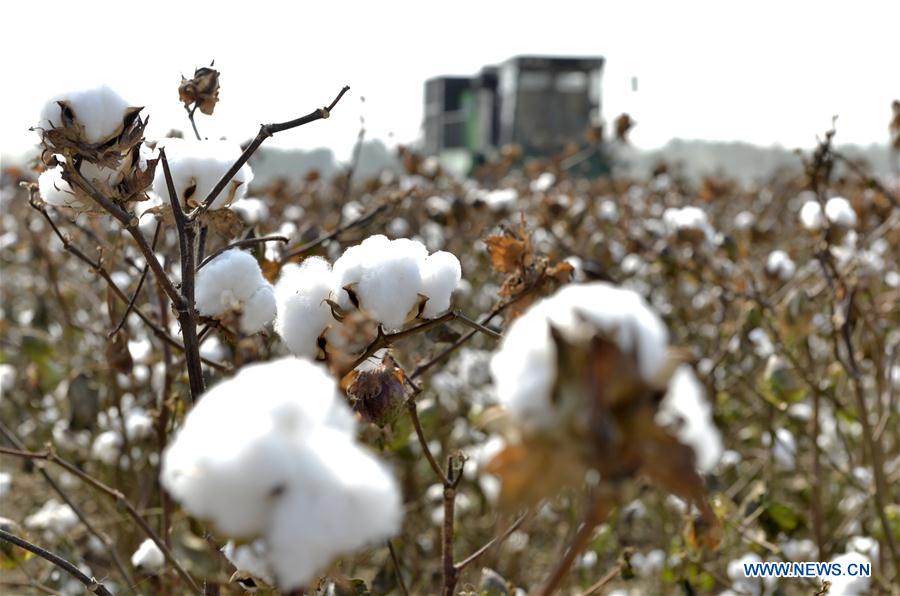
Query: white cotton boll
(148, 556)
(140, 349)
(100, 112)
(502, 198)
(347, 501)
(303, 314)
(609, 211)
(5, 484)
(250, 559)
(138, 425)
(56, 191)
(798, 550)
(691, 220)
(686, 408)
(7, 377)
(751, 586)
(784, 449)
(543, 182)
(762, 344)
(259, 310)
(780, 266)
(107, 447)
(840, 213)
(348, 269)
(441, 272)
(846, 584)
(234, 281)
(811, 216)
(197, 166)
(271, 454)
(389, 286)
(744, 220)
(864, 545)
(54, 517)
(251, 210)
(524, 368)
(649, 564)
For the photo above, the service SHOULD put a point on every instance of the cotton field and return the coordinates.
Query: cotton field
(524, 380)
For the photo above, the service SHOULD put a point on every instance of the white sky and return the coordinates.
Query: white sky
(764, 72)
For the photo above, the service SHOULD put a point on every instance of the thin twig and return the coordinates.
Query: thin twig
(140, 284)
(239, 244)
(397, 568)
(91, 584)
(495, 541)
(265, 131)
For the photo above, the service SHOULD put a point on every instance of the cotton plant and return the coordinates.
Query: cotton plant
(590, 383)
(233, 283)
(148, 557)
(270, 455)
(392, 282)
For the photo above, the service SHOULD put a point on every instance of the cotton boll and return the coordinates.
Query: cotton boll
(251, 210)
(107, 447)
(689, 223)
(5, 484)
(846, 584)
(347, 501)
(99, 111)
(348, 269)
(148, 556)
(441, 272)
(7, 377)
(753, 586)
(54, 517)
(501, 199)
(524, 368)
(303, 314)
(234, 281)
(686, 408)
(196, 167)
(270, 454)
(56, 191)
(543, 182)
(250, 559)
(840, 213)
(389, 286)
(259, 310)
(780, 266)
(138, 425)
(811, 216)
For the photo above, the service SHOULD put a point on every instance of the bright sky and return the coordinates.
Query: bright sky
(763, 71)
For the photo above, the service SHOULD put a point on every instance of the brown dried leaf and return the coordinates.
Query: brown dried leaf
(507, 252)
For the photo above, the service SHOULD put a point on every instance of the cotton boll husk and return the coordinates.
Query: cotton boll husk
(148, 556)
(347, 501)
(686, 409)
(389, 286)
(441, 272)
(240, 442)
(524, 368)
(259, 310)
(811, 216)
(303, 314)
(201, 164)
(100, 111)
(840, 213)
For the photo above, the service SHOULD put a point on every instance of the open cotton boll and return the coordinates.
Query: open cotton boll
(56, 191)
(196, 167)
(524, 368)
(271, 454)
(252, 211)
(347, 501)
(690, 222)
(780, 266)
(107, 447)
(348, 269)
(846, 584)
(234, 281)
(840, 213)
(100, 112)
(686, 410)
(440, 273)
(54, 517)
(390, 283)
(249, 559)
(811, 216)
(303, 314)
(148, 556)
